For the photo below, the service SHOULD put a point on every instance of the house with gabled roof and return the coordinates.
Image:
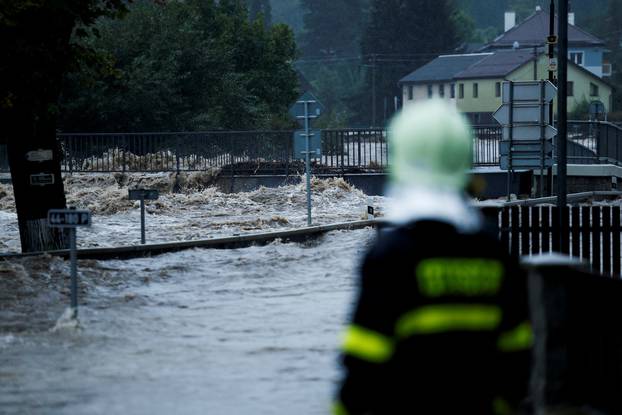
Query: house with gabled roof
(584, 49)
(473, 81)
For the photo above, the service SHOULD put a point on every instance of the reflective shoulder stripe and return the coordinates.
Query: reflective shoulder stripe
(367, 344)
(339, 409)
(519, 338)
(448, 317)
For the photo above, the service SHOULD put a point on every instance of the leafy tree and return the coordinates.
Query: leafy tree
(401, 36)
(331, 27)
(37, 50)
(192, 65)
(260, 7)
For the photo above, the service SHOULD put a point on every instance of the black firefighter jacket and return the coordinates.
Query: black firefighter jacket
(440, 326)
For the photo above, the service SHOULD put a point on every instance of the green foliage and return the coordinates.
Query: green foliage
(192, 65)
(401, 36)
(331, 27)
(581, 111)
(37, 49)
(260, 9)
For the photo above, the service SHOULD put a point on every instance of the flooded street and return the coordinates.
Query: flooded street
(245, 331)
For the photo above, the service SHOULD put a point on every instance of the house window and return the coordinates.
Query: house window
(452, 91)
(430, 92)
(441, 90)
(570, 89)
(460, 91)
(475, 90)
(410, 92)
(593, 90)
(497, 89)
(577, 57)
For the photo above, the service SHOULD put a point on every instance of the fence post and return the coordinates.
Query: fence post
(69, 156)
(123, 149)
(359, 150)
(177, 151)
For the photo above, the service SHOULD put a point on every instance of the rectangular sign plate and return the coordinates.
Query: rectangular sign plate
(521, 163)
(528, 132)
(39, 155)
(534, 147)
(41, 179)
(145, 194)
(529, 91)
(68, 218)
(315, 144)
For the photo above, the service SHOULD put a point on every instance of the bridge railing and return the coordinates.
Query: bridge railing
(272, 151)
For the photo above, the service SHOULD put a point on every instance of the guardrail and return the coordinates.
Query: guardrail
(271, 152)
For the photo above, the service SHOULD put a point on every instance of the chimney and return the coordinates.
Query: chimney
(510, 20)
(571, 18)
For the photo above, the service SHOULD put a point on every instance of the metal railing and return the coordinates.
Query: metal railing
(154, 152)
(271, 152)
(355, 149)
(486, 140)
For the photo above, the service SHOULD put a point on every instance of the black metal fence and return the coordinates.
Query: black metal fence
(247, 151)
(355, 148)
(593, 233)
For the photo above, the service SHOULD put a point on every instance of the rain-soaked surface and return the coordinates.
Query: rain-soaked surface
(244, 331)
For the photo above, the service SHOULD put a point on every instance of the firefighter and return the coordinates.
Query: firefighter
(441, 323)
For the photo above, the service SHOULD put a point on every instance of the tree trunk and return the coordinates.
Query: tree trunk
(37, 184)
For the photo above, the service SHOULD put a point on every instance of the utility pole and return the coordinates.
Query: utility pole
(562, 114)
(552, 40)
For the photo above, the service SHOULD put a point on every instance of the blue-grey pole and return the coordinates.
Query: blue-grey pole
(74, 271)
(308, 163)
(142, 220)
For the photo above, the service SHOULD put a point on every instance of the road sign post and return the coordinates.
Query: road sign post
(71, 218)
(527, 135)
(304, 110)
(142, 195)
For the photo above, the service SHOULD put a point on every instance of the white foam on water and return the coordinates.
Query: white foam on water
(67, 322)
(198, 211)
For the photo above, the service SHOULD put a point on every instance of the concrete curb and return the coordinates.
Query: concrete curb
(238, 241)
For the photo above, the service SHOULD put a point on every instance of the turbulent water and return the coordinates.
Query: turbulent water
(245, 331)
(197, 211)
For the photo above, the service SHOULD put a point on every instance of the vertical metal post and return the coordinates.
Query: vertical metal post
(542, 135)
(549, 171)
(142, 220)
(74, 271)
(307, 163)
(510, 136)
(562, 114)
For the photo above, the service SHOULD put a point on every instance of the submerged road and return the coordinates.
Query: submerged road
(241, 331)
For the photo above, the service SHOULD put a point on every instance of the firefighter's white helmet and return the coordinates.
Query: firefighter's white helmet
(431, 145)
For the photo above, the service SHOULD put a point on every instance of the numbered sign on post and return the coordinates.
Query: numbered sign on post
(68, 218)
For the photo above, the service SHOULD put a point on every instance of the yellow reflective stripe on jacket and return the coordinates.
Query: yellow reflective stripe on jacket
(339, 409)
(448, 317)
(367, 344)
(519, 338)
